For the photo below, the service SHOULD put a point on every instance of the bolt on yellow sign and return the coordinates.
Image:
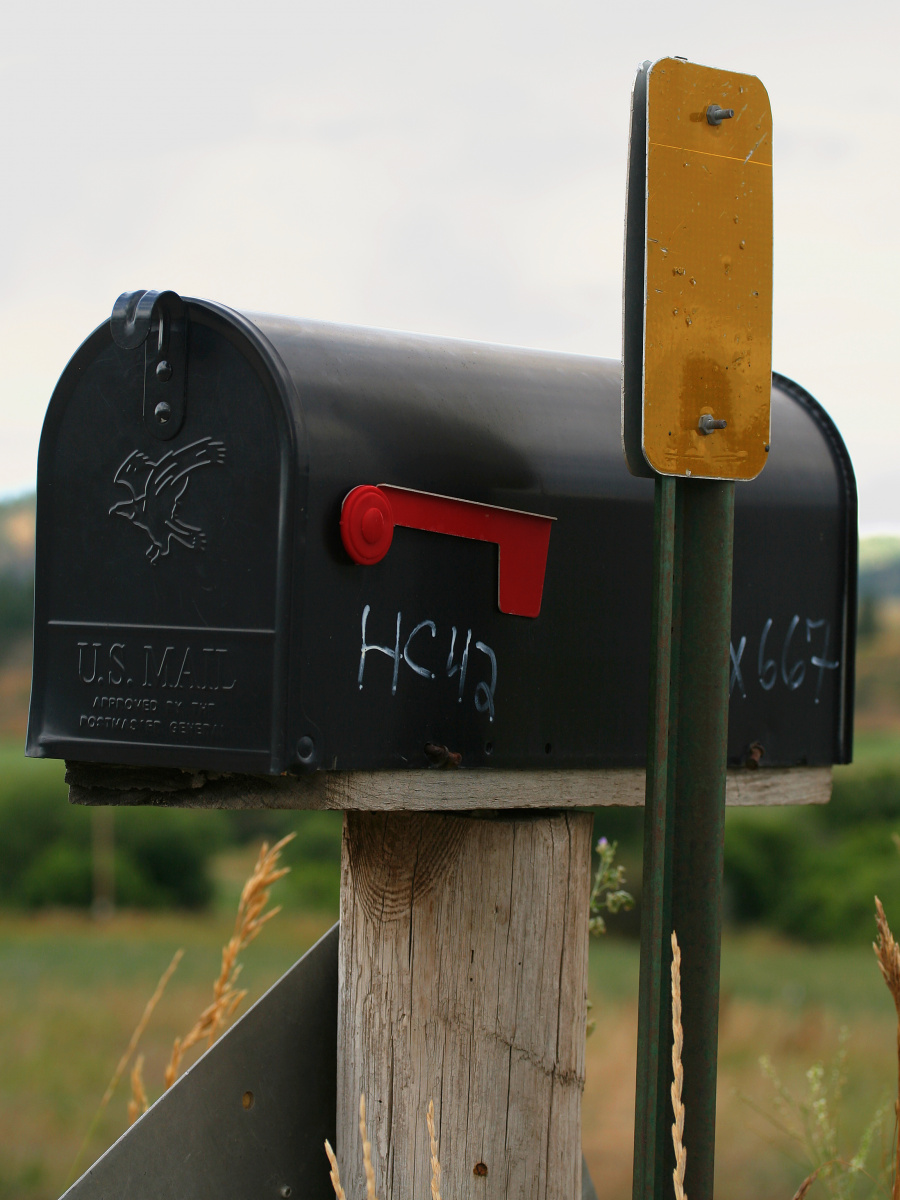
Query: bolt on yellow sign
(698, 341)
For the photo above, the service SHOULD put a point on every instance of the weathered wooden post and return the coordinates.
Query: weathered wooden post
(463, 980)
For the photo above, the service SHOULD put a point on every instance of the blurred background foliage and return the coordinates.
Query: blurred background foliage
(807, 873)
(163, 858)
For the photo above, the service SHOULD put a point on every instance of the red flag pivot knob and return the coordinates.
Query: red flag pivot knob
(367, 524)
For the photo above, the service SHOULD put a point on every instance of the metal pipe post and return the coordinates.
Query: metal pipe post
(684, 826)
(653, 998)
(699, 832)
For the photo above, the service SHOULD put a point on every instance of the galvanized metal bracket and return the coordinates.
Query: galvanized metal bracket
(250, 1118)
(159, 322)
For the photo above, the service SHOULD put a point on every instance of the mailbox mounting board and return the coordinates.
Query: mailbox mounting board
(701, 186)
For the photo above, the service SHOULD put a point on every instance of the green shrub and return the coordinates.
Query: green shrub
(171, 849)
(162, 856)
(34, 816)
(314, 886)
(242, 826)
(60, 874)
(761, 852)
(862, 794)
(812, 873)
(16, 606)
(830, 896)
(314, 857)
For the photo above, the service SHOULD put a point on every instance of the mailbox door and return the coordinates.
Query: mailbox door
(163, 566)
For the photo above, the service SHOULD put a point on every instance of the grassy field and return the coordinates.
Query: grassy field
(782, 1000)
(73, 989)
(787, 1002)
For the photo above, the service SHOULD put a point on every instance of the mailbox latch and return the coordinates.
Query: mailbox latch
(159, 322)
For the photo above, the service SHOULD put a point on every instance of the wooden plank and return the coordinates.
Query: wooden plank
(421, 791)
(797, 785)
(463, 980)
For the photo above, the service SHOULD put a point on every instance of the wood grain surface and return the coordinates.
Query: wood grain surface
(420, 791)
(463, 980)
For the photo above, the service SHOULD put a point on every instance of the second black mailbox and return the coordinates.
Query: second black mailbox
(268, 545)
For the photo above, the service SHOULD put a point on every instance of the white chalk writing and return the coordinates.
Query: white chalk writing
(485, 689)
(790, 666)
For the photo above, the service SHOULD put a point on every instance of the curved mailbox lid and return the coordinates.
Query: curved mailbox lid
(538, 432)
(246, 639)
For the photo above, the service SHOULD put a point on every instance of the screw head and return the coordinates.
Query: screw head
(162, 412)
(306, 749)
(163, 371)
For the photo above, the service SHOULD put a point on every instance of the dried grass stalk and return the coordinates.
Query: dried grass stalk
(678, 1072)
(367, 1150)
(138, 1103)
(806, 1185)
(126, 1057)
(249, 921)
(887, 952)
(435, 1163)
(334, 1173)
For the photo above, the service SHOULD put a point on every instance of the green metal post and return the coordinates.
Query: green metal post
(684, 827)
(653, 997)
(699, 833)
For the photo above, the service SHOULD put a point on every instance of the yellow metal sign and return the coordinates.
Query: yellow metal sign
(707, 359)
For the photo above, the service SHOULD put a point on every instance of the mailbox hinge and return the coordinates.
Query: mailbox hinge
(159, 322)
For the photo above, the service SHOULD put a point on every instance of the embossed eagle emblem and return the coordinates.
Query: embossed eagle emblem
(157, 491)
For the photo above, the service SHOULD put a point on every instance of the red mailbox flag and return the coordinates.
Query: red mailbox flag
(369, 514)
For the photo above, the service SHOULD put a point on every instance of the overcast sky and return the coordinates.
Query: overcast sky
(455, 169)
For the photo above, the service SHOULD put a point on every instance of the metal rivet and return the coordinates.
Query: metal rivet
(163, 371)
(285, 1191)
(247, 1100)
(306, 749)
(162, 412)
(716, 115)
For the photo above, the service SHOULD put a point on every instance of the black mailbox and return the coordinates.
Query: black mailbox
(268, 545)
